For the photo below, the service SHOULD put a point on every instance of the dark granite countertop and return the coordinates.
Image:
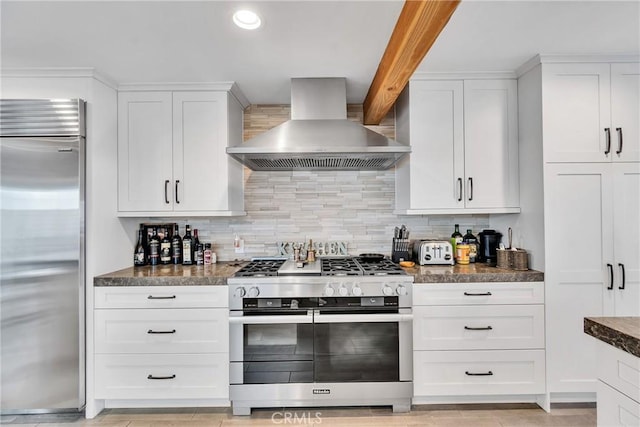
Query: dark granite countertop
(620, 332)
(217, 274)
(471, 273)
(171, 275)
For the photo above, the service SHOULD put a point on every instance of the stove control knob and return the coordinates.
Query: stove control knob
(239, 292)
(356, 290)
(253, 292)
(329, 291)
(343, 291)
(401, 290)
(387, 290)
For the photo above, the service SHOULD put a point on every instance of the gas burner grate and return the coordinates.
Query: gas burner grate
(340, 267)
(383, 267)
(260, 268)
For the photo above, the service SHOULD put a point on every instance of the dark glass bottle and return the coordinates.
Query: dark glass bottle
(176, 247)
(154, 248)
(456, 239)
(472, 241)
(165, 248)
(139, 253)
(187, 247)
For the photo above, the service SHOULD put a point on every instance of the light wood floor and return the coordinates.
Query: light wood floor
(422, 415)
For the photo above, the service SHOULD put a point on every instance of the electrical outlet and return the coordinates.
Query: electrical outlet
(240, 246)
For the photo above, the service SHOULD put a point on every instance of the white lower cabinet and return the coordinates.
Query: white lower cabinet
(463, 373)
(478, 339)
(160, 344)
(162, 376)
(615, 408)
(618, 386)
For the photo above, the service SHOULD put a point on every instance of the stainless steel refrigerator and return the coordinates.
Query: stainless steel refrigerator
(42, 281)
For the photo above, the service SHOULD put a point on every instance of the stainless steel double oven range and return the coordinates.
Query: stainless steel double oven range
(337, 332)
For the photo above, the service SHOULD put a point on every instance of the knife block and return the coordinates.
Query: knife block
(400, 250)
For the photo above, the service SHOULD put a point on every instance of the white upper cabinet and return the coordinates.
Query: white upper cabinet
(591, 112)
(171, 154)
(464, 147)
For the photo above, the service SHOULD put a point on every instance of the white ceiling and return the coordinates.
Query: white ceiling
(188, 41)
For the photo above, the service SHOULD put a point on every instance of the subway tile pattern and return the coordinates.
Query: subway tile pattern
(354, 207)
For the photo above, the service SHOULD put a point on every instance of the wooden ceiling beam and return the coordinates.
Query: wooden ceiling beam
(419, 24)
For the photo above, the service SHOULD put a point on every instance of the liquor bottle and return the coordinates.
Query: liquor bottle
(456, 239)
(139, 253)
(165, 248)
(176, 247)
(471, 240)
(154, 248)
(196, 240)
(187, 247)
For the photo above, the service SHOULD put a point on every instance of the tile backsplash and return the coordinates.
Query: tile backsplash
(354, 207)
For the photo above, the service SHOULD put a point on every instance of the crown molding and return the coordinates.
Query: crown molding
(76, 72)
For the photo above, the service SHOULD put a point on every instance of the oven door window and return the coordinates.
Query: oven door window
(278, 353)
(355, 352)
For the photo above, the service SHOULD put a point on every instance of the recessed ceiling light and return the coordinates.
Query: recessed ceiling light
(247, 19)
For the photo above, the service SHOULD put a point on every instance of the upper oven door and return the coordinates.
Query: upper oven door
(375, 347)
(271, 348)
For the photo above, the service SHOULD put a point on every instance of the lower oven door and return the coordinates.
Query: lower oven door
(373, 347)
(271, 349)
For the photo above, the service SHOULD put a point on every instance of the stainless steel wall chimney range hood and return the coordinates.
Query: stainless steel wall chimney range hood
(319, 136)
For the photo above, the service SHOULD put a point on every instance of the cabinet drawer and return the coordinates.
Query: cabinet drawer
(162, 331)
(616, 409)
(451, 373)
(478, 293)
(619, 369)
(161, 296)
(478, 327)
(173, 376)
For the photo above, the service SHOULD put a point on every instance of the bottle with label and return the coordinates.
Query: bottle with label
(139, 253)
(207, 254)
(470, 239)
(187, 247)
(165, 248)
(199, 254)
(176, 247)
(456, 239)
(154, 248)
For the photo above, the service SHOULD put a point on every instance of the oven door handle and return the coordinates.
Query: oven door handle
(271, 320)
(361, 318)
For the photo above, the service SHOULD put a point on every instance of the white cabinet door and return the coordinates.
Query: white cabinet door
(464, 142)
(144, 151)
(491, 144)
(577, 110)
(199, 158)
(625, 111)
(626, 211)
(437, 145)
(578, 241)
(616, 409)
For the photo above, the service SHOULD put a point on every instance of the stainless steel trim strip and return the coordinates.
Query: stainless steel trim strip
(42, 117)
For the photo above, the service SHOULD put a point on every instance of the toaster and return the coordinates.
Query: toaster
(434, 252)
